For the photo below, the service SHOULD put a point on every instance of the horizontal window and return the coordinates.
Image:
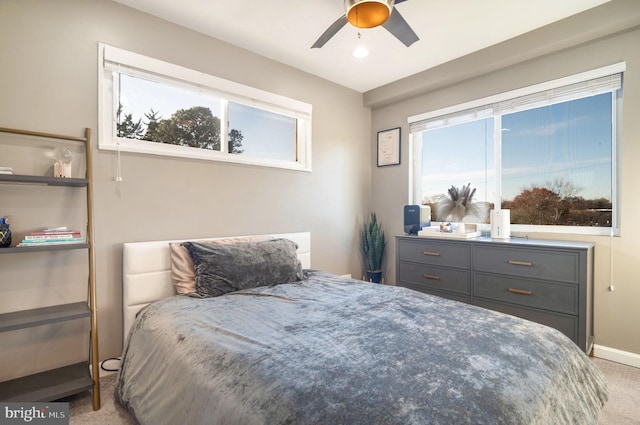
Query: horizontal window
(150, 106)
(547, 153)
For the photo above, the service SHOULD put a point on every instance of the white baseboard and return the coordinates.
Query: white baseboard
(615, 355)
(347, 275)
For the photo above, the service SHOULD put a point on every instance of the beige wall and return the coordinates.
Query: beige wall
(48, 82)
(558, 50)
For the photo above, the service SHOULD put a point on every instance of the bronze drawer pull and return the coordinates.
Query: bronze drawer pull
(431, 253)
(430, 276)
(520, 291)
(520, 263)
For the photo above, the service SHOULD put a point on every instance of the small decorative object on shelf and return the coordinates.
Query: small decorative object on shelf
(451, 230)
(5, 232)
(372, 244)
(62, 162)
(501, 224)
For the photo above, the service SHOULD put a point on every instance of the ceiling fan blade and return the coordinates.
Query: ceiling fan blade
(397, 26)
(330, 32)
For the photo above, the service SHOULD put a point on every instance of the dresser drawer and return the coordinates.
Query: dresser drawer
(544, 264)
(568, 325)
(427, 276)
(558, 297)
(435, 253)
(428, 290)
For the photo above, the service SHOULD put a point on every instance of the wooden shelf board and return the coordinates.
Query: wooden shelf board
(49, 385)
(61, 247)
(43, 316)
(49, 181)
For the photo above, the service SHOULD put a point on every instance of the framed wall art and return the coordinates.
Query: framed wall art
(389, 147)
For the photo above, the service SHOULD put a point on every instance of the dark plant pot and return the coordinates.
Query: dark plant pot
(5, 236)
(375, 277)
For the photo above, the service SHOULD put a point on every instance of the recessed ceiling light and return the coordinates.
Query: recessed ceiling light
(360, 52)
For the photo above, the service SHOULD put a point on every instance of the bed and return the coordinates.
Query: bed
(325, 349)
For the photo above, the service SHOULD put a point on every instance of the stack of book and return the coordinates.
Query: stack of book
(6, 170)
(57, 236)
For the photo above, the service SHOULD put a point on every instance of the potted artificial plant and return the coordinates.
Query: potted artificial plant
(372, 244)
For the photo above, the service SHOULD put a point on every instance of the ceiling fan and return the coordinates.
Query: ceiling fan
(370, 14)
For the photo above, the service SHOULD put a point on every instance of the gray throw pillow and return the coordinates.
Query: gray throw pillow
(221, 269)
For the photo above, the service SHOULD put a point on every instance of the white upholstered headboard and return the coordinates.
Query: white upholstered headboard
(147, 271)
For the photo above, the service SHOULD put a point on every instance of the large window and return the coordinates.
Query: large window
(547, 153)
(156, 107)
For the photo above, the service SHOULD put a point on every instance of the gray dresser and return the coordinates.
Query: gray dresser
(549, 282)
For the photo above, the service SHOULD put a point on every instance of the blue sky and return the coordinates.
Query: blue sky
(570, 140)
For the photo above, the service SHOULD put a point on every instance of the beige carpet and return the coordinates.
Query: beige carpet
(623, 407)
(81, 407)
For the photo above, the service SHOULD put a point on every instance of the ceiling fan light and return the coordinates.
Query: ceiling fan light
(360, 52)
(368, 13)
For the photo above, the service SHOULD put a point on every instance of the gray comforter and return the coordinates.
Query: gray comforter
(337, 351)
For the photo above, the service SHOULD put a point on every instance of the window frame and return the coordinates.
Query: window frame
(112, 59)
(481, 105)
